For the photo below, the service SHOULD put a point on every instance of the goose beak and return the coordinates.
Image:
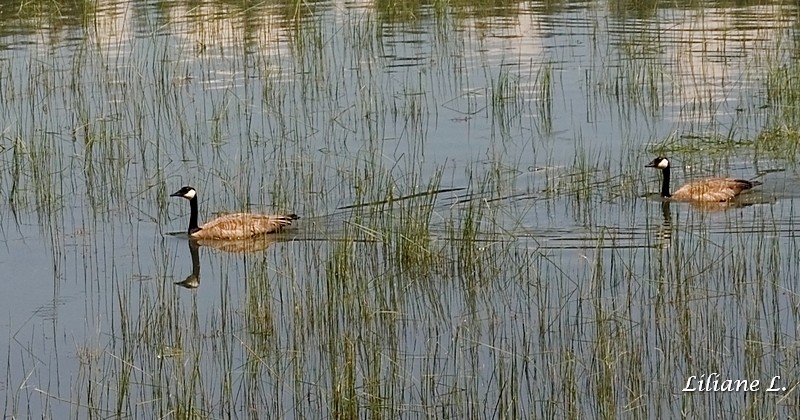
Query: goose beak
(176, 194)
(652, 164)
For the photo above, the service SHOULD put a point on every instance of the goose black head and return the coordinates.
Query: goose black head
(186, 192)
(659, 163)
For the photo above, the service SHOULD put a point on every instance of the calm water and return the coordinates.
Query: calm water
(542, 281)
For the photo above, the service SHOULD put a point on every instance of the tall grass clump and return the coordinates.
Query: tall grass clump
(506, 102)
(544, 98)
(410, 238)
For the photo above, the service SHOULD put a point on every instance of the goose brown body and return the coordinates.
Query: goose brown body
(232, 226)
(712, 189)
(704, 190)
(242, 225)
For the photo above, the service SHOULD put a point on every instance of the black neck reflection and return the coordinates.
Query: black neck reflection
(193, 280)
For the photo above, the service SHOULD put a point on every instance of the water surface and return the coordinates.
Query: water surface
(478, 233)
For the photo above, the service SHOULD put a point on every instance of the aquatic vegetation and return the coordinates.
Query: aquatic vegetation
(478, 236)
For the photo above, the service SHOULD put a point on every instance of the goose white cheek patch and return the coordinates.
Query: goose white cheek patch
(663, 164)
(190, 194)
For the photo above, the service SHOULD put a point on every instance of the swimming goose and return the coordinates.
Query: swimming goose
(706, 190)
(232, 226)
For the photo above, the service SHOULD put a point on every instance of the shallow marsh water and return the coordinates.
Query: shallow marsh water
(479, 237)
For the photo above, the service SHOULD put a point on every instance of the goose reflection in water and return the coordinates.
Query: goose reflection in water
(666, 228)
(233, 246)
(192, 281)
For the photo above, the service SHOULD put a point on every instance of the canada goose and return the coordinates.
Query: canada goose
(232, 226)
(706, 190)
